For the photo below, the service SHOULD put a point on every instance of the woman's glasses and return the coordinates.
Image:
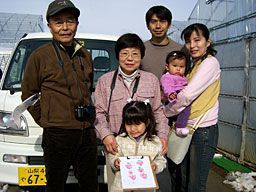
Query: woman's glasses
(126, 54)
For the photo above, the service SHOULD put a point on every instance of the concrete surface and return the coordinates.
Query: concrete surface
(214, 184)
(215, 181)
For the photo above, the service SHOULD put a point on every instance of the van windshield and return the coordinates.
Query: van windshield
(102, 52)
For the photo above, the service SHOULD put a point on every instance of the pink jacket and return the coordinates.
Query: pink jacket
(207, 73)
(172, 84)
(148, 88)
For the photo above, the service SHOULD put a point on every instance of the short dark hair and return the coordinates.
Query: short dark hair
(161, 12)
(175, 55)
(136, 112)
(199, 28)
(178, 55)
(129, 40)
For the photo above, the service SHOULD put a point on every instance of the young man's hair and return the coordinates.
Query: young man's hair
(137, 112)
(129, 40)
(161, 12)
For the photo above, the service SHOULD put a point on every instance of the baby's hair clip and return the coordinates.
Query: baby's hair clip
(146, 101)
(129, 100)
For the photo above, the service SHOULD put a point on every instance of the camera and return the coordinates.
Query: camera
(85, 113)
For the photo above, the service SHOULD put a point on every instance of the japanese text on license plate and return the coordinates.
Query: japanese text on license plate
(31, 176)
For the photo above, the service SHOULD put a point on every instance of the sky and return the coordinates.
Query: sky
(112, 17)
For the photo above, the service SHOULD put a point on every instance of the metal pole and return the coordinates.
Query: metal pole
(246, 100)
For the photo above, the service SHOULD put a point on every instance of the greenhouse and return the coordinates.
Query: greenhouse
(12, 27)
(233, 31)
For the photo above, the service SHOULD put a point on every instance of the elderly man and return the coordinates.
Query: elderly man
(62, 71)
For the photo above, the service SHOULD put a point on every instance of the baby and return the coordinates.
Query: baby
(172, 82)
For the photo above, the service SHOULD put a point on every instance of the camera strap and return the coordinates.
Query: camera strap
(61, 63)
(85, 82)
(113, 84)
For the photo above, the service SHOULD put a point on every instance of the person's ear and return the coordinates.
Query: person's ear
(148, 123)
(209, 41)
(167, 67)
(169, 25)
(49, 27)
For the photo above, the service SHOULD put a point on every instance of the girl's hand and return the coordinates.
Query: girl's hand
(153, 165)
(117, 163)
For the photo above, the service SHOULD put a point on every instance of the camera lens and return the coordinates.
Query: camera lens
(79, 113)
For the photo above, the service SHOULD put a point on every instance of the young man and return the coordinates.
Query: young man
(158, 19)
(62, 71)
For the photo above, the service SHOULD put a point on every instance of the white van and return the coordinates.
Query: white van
(21, 149)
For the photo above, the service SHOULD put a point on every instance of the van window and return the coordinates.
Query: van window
(102, 52)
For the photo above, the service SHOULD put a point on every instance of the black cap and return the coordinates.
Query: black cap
(58, 5)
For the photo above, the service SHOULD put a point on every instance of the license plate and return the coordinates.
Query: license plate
(31, 176)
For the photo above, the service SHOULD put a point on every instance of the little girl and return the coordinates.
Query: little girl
(137, 137)
(172, 82)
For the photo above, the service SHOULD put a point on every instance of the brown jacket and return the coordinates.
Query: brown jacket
(44, 74)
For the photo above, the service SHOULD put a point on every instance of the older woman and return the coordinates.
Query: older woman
(115, 88)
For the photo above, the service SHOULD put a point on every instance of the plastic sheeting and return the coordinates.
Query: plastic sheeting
(233, 31)
(14, 25)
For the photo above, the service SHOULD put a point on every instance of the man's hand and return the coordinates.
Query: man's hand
(110, 144)
(164, 146)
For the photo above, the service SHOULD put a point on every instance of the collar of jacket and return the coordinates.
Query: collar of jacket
(76, 44)
(142, 137)
(138, 71)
